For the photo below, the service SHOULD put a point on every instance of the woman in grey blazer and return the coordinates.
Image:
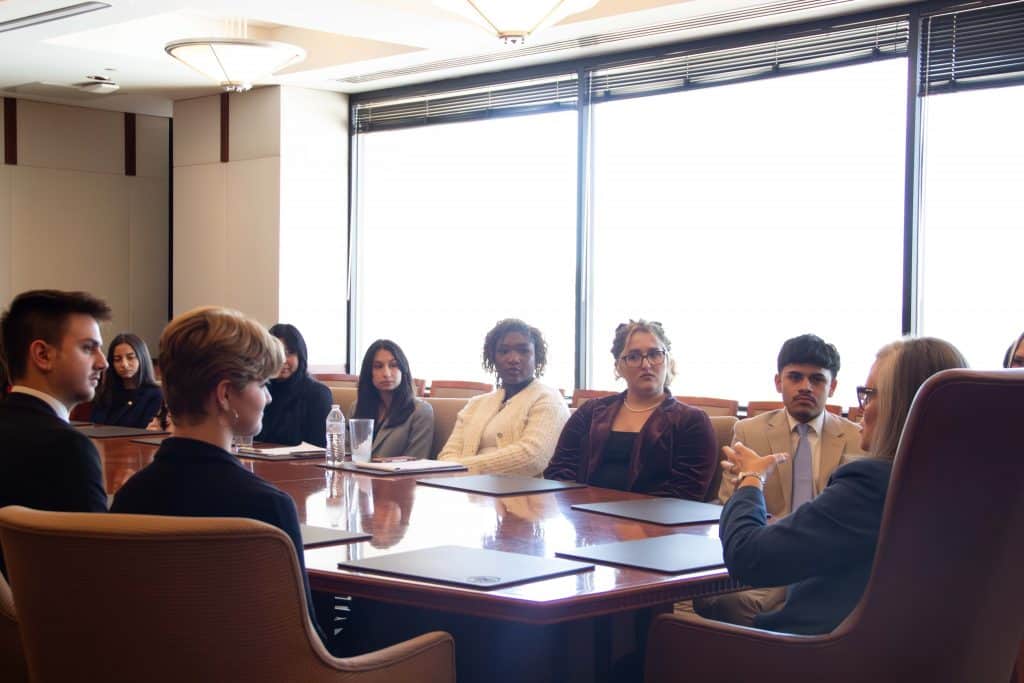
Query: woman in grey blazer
(402, 423)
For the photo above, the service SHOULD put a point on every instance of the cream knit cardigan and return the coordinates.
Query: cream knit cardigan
(528, 429)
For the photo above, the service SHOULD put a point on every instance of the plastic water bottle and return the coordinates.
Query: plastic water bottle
(335, 435)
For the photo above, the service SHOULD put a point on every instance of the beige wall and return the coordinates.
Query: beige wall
(265, 231)
(71, 219)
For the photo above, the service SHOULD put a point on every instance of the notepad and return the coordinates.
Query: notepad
(665, 511)
(95, 431)
(478, 568)
(314, 536)
(672, 554)
(500, 484)
(303, 450)
(387, 469)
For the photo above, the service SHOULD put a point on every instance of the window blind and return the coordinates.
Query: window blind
(504, 99)
(700, 68)
(975, 48)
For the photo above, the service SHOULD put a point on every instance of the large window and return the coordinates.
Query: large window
(745, 214)
(462, 225)
(973, 220)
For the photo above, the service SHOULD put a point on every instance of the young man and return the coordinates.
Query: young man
(816, 440)
(54, 358)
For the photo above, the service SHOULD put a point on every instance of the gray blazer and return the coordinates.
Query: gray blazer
(412, 438)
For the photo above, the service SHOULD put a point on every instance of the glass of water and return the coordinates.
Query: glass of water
(361, 439)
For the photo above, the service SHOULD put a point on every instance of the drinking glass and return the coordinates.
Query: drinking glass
(361, 438)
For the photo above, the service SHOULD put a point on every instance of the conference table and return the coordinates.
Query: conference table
(566, 626)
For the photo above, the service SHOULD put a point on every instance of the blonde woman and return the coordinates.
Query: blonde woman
(216, 364)
(824, 550)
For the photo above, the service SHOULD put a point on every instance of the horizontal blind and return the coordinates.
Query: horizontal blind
(975, 48)
(503, 99)
(700, 68)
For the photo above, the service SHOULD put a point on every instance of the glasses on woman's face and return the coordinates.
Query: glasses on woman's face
(865, 395)
(635, 359)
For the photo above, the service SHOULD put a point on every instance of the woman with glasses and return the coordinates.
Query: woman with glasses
(1015, 354)
(824, 550)
(643, 439)
(513, 429)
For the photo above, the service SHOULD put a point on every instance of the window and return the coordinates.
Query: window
(972, 216)
(461, 225)
(745, 214)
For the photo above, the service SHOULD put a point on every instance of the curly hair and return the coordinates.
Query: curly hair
(503, 327)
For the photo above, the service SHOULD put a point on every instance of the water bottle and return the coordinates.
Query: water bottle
(335, 436)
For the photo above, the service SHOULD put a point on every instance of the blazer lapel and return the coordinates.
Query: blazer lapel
(832, 446)
(382, 435)
(779, 442)
(600, 427)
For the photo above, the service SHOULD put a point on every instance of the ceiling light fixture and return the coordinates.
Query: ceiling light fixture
(235, 63)
(51, 15)
(513, 21)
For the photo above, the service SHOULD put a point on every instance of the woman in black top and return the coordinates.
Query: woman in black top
(129, 395)
(216, 364)
(300, 403)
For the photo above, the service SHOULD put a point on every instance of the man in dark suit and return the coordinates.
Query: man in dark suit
(54, 359)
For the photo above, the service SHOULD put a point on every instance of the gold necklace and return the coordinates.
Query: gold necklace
(639, 410)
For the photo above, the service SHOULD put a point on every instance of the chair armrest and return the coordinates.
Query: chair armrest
(429, 658)
(687, 647)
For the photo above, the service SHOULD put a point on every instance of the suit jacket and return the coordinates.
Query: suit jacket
(528, 428)
(825, 549)
(45, 463)
(673, 455)
(770, 433)
(135, 409)
(195, 479)
(412, 438)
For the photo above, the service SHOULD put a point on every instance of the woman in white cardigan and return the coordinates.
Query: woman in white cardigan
(514, 429)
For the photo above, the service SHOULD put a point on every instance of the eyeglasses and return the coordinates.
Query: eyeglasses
(635, 359)
(865, 395)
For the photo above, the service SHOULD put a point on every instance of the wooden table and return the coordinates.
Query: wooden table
(402, 516)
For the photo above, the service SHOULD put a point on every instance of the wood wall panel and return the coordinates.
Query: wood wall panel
(70, 138)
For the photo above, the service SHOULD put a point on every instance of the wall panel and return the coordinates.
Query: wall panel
(70, 231)
(151, 148)
(6, 290)
(200, 244)
(254, 124)
(253, 218)
(147, 259)
(72, 138)
(197, 131)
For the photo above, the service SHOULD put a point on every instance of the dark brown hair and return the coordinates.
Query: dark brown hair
(41, 314)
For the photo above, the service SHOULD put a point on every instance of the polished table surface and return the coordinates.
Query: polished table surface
(404, 516)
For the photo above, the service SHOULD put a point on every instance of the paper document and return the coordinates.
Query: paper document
(283, 451)
(410, 465)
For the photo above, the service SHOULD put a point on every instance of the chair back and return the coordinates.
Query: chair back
(854, 413)
(345, 397)
(446, 410)
(12, 657)
(337, 379)
(947, 572)
(755, 408)
(169, 599)
(441, 388)
(581, 396)
(712, 406)
(723, 425)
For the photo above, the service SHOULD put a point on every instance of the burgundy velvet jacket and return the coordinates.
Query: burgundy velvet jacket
(673, 455)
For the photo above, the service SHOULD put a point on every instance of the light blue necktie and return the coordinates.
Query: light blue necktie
(803, 469)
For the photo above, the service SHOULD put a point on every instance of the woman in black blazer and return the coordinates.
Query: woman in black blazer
(824, 550)
(298, 411)
(216, 364)
(129, 395)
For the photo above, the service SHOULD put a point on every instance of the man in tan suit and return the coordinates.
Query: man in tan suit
(818, 442)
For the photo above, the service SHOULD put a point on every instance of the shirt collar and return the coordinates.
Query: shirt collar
(59, 408)
(816, 424)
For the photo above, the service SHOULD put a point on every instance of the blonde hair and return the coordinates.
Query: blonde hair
(900, 369)
(625, 331)
(206, 345)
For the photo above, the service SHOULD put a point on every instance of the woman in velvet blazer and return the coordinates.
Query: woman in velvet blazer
(643, 439)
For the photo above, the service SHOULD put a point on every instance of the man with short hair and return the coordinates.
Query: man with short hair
(818, 442)
(53, 353)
